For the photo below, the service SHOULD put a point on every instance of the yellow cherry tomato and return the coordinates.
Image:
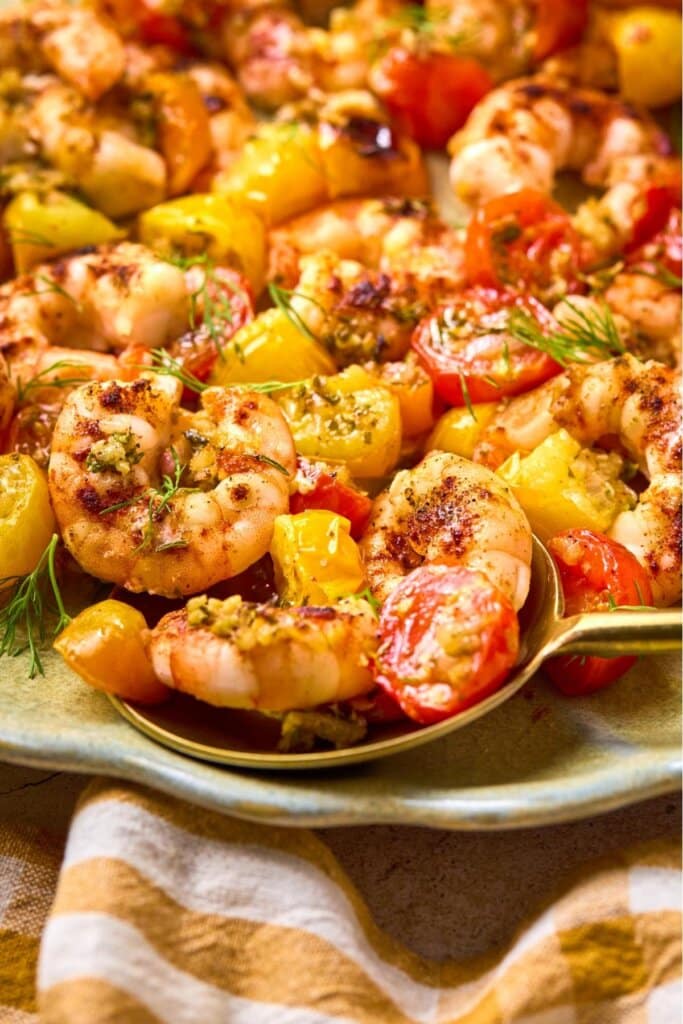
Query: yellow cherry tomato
(104, 646)
(279, 172)
(458, 431)
(316, 561)
(647, 41)
(42, 226)
(413, 387)
(227, 231)
(182, 126)
(562, 487)
(348, 418)
(271, 347)
(26, 518)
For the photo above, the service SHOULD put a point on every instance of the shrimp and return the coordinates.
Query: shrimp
(156, 498)
(109, 298)
(118, 174)
(83, 48)
(357, 314)
(638, 405)
(524, 132)
(396, 236)
(652, 309)
(447, 509)
(237, 654)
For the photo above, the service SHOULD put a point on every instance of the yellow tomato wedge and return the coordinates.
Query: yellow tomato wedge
(227, 231)
(26, 518)
(104, 646)
(316, 561)
(182, 124)
(349, 418)
(415, 392)
(458, 430)
(42, 226)
(562, 487)
(271, 347)
(647, 41)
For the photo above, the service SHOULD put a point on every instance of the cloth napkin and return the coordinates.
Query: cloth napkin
(162, 913)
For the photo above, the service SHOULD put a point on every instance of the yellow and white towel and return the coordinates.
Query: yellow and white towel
(167, 914)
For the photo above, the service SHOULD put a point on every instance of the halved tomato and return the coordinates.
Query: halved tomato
(325, 490)
(523, 240)
(448, 638)
(596, 574)
(429, 95)
(469, 354)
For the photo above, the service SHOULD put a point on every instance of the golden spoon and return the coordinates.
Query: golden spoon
(247, 740)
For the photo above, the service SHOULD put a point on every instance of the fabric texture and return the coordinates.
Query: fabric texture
(162, 913)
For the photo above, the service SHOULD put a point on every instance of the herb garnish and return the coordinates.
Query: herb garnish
(584, 335)
(207, 310)
(282, 297)
(39, 381)
(25, 611)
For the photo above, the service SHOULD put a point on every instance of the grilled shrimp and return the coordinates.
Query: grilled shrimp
(74, 41)
(447, 509)
(638, 404)
(652, 310)
(7, 395)
(112, 169)
(524, 132)
(237, 654)
(357, 314)
(110, 298)
(396, 236)
(155, 498)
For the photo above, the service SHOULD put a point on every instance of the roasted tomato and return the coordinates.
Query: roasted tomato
(323, 488)
(559, 24)
(656, 242)
(470, 356)
(448, 638)
(523, 240)
(429, 95)
(597, 574)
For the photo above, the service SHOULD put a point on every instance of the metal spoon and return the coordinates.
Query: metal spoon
(247, 740)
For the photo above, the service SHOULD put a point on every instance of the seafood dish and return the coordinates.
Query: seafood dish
(277, 428)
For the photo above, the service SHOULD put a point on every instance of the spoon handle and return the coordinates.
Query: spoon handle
(620, 632)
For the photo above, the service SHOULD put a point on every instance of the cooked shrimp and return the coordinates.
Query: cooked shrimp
(99, 154)
(638, 404)
(357, 314)
(110, 298)
(236, 654)
(652, 309)
(450, 510)
(523, 133)
(397, 236)
(82, 47)
(155, 498)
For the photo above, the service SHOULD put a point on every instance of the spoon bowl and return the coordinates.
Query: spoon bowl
(248, 740)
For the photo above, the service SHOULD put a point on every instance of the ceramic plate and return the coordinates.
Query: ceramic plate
(535, 760)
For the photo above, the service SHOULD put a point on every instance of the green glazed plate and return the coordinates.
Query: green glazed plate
(538, 758)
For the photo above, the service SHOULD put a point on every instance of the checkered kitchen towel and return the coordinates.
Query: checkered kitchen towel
(166, 914)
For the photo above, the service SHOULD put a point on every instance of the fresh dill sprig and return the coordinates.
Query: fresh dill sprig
(642, 607)
(282, 297)
(23, 625)
(158, 501)
(272, 462)
(211, 312)
(583, 335)
(267, 387)
(166, 365)
(39, 381)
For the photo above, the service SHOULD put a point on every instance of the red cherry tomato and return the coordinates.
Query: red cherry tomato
(469, 355)
(377, 707)
(596, 573)
(156, 28)
(448, 638)
(328, 492)
(431, 95)
(523, 240)
(662, 251)
(559, 24)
